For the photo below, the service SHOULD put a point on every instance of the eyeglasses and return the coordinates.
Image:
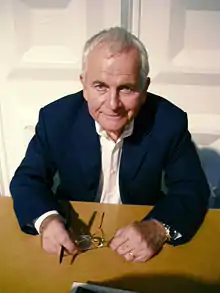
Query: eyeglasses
(96, 240)
(86, 242)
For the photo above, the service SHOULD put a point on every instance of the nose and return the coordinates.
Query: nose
(114, 100)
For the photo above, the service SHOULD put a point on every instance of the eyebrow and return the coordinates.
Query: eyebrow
(130, 85)
(99, 82)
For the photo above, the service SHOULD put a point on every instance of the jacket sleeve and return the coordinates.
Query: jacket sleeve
(31, 185)
(185, 204)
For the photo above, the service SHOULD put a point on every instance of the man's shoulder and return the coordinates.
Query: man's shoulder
(63, 110)
(165, 111)
(67, 103)
(62, 113)
(161, 117)
(163, 104)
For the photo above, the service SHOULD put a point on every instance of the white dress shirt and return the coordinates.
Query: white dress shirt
(108, 190)
(111, 156)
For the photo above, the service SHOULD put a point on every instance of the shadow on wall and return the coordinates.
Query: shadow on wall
(161, 283)
(210, 160)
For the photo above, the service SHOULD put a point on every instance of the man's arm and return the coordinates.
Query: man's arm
(185, 204)
(183, 208)
(32, 182)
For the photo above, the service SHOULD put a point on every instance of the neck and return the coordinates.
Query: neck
(114, 135)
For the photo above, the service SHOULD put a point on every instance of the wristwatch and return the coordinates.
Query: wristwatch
(171, 233)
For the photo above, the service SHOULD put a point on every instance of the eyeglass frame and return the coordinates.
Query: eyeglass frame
(95, 241)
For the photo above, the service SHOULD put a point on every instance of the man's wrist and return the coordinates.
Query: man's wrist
(37, 222)
(173, 234)
(48, 220)
(163, 231)
(169, 232)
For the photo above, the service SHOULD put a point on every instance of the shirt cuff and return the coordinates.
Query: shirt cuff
(39, 221)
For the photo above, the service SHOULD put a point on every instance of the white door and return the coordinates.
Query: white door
(40, 57)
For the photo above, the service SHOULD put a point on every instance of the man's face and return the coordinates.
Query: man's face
(111, 86)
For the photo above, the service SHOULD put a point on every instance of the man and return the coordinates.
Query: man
(111, 143)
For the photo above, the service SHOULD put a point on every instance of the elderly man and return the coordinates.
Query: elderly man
(111, 143)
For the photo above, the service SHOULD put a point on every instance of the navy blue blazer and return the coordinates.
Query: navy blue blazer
(66, 142)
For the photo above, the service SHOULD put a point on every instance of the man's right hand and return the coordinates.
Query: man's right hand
(54, 235)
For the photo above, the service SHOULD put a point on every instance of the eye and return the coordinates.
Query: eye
(100, 87)
(126, 90)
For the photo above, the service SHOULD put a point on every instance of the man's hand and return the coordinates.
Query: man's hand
(54, 235)
(139, 241)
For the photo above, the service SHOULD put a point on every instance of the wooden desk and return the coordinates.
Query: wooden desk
(25, 267)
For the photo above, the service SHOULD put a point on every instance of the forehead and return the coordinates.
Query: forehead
(102, 61)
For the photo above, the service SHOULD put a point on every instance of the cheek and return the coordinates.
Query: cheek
(132, 105)
(94, 102)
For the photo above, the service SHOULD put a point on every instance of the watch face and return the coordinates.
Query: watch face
(174, 234)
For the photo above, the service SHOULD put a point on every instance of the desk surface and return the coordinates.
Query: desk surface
(25, 267)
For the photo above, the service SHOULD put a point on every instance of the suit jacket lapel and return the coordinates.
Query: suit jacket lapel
(136, 146)
(85, 143)
(133, 155)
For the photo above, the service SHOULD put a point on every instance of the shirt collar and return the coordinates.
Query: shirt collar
(127, 131)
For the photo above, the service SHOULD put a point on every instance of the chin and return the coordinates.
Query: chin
(113, 127)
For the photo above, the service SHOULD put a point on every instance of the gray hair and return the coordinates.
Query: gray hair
(118, 39)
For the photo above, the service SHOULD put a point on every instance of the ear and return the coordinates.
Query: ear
(82, 79)
(144, 93)
(148, 80)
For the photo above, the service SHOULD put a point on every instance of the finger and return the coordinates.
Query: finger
(117, 241)
(119, 232)
(124, 248)
(143, 256)
(69, 245)
(129, 256)
(136, 254)
(50, 246)
(49, 243)
(66, 252)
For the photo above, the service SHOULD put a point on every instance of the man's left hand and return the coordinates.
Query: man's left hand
(139, 241)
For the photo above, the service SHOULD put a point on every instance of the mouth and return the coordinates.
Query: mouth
(113, 116)
(118, 115)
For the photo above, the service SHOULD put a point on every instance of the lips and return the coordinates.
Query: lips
(112, 115)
